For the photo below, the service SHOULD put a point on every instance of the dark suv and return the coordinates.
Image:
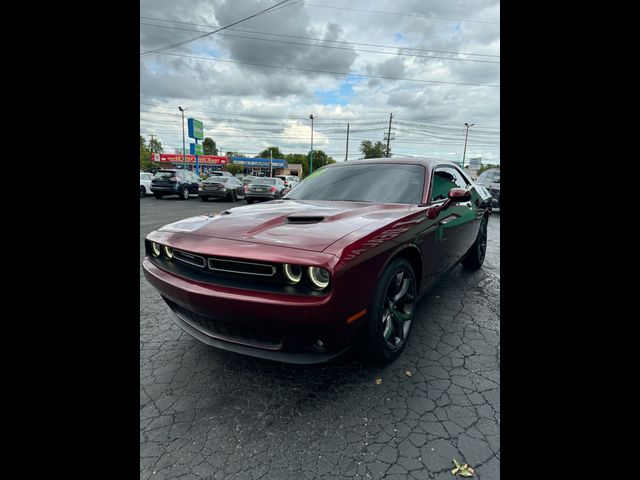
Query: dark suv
(174, 182)
(490, 179)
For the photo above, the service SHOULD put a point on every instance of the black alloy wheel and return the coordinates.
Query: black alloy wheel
(392, 313)
(143, 191)
(475, 257)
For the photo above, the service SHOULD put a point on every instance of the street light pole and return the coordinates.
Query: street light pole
(184, 152)
(270, 163)
(465, 142)
(311, 161)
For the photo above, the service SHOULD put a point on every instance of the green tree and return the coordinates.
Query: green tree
(235, 154)
(486, 167)
(373, 150)
(275, 151)
(155, 145)
(209, 146)
(145, 154)
(320, 159)
(233, 169)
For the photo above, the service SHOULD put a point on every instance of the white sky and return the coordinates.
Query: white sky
(246, 108)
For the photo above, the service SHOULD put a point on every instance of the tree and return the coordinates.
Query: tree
(155, 145)
(235, 154)
(371, 150)
(209, 147)
(145, 155)
(275, 151)
(233, 169)
(486, 167)
(320, 159)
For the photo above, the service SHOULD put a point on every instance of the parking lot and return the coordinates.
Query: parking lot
(206, 413)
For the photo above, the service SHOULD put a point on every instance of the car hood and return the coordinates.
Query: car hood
(304, 224)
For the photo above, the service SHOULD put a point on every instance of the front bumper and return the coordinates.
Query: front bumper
(280, 327)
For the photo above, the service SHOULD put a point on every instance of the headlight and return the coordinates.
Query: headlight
(292, 273)
(319, 277)
(168, 251)
(156, 249)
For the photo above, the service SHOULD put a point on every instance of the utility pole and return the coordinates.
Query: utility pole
(346, 153)
(389, 134)
(184, 151)
(151, 147)
(270, 162)
(465, 142)
(311, 161)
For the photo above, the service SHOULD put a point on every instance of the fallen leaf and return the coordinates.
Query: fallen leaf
(407, 373)
(463, 470)
(378, 381)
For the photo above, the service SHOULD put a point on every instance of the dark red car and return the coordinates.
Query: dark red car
(341, 259)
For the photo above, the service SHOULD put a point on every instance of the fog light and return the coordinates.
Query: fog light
(168, 251)
(156, 249)
(319, 277)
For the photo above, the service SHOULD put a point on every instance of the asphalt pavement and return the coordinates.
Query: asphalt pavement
(211, 414)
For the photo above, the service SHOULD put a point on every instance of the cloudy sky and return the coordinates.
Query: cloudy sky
(433, 64)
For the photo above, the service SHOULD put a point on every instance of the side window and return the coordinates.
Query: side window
(496, 177)
(444, 179)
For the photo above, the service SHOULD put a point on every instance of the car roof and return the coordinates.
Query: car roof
(426, 161)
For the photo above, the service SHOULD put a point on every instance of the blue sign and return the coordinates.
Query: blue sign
(260, 162)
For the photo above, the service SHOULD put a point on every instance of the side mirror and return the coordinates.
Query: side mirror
(459, 195)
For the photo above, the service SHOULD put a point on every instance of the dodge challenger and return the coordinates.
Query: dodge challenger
(339, 261)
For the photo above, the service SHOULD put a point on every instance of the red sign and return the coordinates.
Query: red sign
(191, 159)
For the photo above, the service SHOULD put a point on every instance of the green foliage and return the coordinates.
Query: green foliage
(235, 154)
(374, 150)
(486, 167)
(275, 151)
(233, 169)
(209, 146)
(155, 145)
(145, 154)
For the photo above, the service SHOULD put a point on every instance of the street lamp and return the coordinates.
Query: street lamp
(465, 142)
(311, 161)
(184, 152)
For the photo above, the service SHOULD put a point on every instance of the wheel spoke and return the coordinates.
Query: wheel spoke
(388, 328)
(404, 288)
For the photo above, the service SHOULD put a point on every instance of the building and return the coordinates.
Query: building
(207, 163)
(260, 166)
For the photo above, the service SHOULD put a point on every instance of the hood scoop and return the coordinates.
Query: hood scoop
(304, 219)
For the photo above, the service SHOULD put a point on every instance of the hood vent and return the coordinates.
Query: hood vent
(304, 219)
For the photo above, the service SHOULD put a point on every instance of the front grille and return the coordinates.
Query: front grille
(244, 334)
(234, 266)
(189, 258)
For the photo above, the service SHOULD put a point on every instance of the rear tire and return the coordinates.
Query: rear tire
(185, 194)
(143, 192)
(249, 201)
(391, 314)
(234, 196)
(204, 199)
(158, 195)
(474, 259)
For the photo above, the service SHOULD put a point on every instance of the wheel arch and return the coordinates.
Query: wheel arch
(413, 255)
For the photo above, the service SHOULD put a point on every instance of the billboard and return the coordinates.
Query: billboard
(474, 163)
(191, 159)
(195, 149)
(196, 129)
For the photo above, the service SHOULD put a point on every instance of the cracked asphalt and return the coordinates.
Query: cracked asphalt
(205, 413)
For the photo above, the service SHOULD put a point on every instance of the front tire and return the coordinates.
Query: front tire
(391, 314)
(143, 192)
(203, 198)
(474, 259)
(185, 194)
(158, 195)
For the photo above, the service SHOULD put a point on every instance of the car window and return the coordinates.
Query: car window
(444, 179)
(163, 174)
(496, 177)
(264, 181)
(380, 183)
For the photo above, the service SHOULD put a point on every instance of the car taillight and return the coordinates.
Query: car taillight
(246, 188)
(273, 189)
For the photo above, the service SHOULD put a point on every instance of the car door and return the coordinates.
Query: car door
(454, 224)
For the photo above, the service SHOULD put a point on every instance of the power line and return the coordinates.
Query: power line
(323, 39)
(350, 49)
(206, 34)
(428, 17)
(347, 74)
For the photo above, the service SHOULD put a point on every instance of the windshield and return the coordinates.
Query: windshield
(164, 174)
(380, 183)
(264, 181)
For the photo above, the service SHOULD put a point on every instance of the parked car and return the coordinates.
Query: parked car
(247, 179)
(229, 188)
(490, 179)
(342, 261)
(267, 188)
(145, 183)
(175, 182)
(284, 179)
(220, 173)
